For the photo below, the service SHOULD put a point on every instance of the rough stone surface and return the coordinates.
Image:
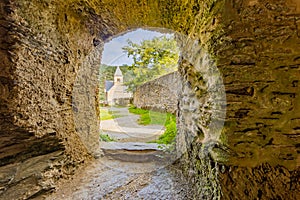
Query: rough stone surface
(257, 151)
(48, 54)
(160, 94)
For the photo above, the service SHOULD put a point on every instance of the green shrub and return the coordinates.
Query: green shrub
(168, 137)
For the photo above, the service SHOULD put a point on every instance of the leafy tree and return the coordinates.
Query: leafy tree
(151, 59)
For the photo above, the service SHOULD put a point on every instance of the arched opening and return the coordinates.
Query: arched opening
(139, 103)
(202, 84)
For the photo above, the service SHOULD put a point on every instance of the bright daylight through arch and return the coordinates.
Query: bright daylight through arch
(134, 117)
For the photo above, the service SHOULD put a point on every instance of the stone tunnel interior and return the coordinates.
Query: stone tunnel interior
(49, 118)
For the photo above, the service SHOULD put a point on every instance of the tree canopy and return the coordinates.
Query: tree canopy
(151, 59)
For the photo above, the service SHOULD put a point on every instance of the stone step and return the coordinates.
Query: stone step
(131, 146)
(134, 151)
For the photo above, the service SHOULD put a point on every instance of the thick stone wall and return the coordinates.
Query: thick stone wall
(257, 152)
(48, 105)
(160, 94)
(39, 143)
(263, 99)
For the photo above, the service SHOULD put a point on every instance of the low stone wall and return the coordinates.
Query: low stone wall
(160, 94)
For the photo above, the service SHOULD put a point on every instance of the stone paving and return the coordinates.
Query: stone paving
(127, 169)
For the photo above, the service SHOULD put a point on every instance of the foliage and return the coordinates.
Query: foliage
(106, 138)
(151, 59)
(150, 117)
(168, 137)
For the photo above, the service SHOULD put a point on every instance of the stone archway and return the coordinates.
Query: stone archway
(254, 43)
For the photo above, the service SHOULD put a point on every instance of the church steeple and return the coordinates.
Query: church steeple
(118, 77)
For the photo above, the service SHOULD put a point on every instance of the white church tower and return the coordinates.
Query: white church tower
(118, 91)
(118, 77)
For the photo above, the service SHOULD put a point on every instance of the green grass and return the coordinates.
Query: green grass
(106, 138)
(106, 114)
(150, 117)
(168, 137)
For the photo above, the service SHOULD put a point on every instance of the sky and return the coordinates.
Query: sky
(113, 54)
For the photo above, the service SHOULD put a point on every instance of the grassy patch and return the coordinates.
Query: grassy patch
(106, 114)
(168, 137)
(106, 138)
(137, 111)
(150, 117)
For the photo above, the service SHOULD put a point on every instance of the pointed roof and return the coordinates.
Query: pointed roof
(108, 85)
(118, 72)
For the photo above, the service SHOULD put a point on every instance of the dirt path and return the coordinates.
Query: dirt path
(127, 170)
(126, 128)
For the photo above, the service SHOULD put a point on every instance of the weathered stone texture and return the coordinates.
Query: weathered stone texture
(262, 101)
(257, 53)
(39, 71)
(160, 94)
(48, 108)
